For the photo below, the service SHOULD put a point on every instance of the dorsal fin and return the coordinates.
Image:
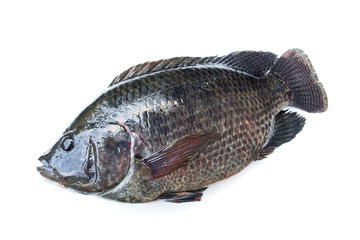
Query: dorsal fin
(251, 62)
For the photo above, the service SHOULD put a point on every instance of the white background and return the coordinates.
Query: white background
(57, 56)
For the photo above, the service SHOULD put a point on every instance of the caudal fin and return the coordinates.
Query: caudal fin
(300, 76)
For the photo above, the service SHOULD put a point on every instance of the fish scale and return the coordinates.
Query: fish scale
(228, 95)
(168, 129)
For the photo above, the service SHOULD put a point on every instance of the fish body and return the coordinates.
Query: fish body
(168, 129)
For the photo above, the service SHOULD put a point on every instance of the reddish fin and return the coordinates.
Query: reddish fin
(299, 74)
(287, 125)
(181, 197)
(177, 154)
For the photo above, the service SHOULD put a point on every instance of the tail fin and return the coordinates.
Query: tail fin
(299, 74)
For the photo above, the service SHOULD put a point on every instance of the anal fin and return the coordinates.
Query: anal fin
(287, 125)
(186, 196)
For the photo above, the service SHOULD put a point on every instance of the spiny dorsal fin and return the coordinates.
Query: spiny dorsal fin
(251, 62)
(287, 125)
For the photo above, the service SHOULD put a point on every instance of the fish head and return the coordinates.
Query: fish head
(89, 160)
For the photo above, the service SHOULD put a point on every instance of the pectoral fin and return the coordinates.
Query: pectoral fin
(177, 154)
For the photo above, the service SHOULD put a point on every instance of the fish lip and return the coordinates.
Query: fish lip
(46, 170)
(44, 162)
(51, 174)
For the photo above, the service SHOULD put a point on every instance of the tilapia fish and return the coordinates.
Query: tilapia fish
(167, 129)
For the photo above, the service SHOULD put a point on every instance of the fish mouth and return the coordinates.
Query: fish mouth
(46, 170)
(52, 175)
(49, 173)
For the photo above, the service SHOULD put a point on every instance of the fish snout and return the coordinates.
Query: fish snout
(45, 155)
(46, 169)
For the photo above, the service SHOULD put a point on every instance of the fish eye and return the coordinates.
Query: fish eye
(67, 144)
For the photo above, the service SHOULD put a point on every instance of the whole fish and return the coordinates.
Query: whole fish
(167, 129)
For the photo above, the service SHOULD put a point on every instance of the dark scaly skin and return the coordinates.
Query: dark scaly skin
(163, 107)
